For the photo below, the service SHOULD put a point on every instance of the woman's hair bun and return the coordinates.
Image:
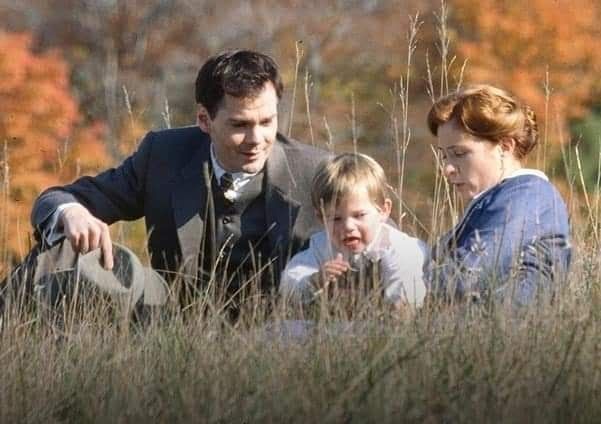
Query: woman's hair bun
(490, 113)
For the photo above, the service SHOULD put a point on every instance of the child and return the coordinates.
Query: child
(349, 193)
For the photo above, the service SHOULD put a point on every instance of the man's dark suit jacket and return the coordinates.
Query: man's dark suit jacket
(167, 181)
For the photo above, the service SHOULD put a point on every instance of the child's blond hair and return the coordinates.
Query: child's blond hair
(344, 174)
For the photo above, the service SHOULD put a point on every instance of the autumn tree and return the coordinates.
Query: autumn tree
(42, 140)
(517, 44)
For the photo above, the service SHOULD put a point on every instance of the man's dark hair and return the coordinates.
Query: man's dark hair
(239, 73)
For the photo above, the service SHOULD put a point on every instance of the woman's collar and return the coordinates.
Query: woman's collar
(517, 173)
(527, 171)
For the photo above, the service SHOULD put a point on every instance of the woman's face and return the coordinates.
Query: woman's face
(471, 164)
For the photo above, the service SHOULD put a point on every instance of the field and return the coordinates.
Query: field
(443, 363)
(461, 364)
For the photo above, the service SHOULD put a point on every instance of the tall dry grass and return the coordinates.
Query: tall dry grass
(467, 364)
(470, 363)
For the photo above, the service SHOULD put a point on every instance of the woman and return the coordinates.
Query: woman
(513, 239)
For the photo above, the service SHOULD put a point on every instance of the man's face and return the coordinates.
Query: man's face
(243, 130)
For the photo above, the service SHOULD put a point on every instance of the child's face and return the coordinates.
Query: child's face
(355, 221)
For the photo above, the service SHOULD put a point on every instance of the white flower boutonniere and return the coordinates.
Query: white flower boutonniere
(230, 195)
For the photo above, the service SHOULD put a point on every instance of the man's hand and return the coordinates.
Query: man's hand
(86, 233)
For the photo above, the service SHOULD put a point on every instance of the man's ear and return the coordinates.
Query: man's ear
(203, 119)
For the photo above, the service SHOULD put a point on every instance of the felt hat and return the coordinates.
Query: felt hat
(128, 278)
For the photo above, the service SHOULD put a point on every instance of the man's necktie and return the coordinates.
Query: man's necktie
(226, 182)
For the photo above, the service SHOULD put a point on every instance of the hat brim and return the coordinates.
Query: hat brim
(127, 279)
(155, 288)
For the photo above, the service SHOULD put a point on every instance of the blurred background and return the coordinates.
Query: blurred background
(82, 81)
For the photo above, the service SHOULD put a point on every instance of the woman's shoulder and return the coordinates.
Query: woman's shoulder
(523, 198)
(525, 189)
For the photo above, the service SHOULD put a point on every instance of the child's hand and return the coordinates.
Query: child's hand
(333, 269)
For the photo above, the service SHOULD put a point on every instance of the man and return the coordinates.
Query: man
(223, 201)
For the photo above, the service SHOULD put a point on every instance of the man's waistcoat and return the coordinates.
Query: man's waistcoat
(235, 246)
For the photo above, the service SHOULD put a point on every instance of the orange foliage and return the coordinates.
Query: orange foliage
(513, 44)
(130, 134)
(43, 143)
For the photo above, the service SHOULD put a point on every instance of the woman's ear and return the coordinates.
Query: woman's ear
(507, 145)
(203, 119)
